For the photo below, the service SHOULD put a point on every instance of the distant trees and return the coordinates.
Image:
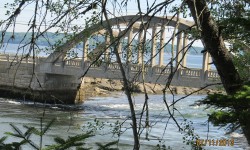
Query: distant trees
(18, 38)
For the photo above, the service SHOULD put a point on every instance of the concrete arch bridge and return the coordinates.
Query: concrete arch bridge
(135, 37)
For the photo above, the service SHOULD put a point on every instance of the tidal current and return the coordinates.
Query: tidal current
(108, 111)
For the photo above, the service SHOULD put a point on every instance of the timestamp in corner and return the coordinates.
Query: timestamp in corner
(215, 142)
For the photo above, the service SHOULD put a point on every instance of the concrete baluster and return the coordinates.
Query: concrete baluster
(162, 43)
(8, 57)
(63, 62)
(153, 46)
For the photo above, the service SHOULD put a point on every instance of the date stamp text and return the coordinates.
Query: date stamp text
(215, 142)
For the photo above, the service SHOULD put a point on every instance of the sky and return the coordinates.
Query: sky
(23, 19)
(26, 14)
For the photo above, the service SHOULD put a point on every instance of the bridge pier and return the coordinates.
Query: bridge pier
(19, 80)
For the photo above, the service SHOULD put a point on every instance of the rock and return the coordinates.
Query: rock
(103, 87)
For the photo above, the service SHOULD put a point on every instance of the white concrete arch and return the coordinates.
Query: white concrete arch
(130, 20)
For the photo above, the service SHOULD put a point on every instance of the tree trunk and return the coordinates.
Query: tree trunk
(245, 125)
(214, 44)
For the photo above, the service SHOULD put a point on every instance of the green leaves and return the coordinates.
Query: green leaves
(242, 63)
(107, 146)
(24, 136)
(74, 141)
(234, 109)
(223, 117)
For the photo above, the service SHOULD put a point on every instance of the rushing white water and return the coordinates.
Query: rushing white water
(70, 120)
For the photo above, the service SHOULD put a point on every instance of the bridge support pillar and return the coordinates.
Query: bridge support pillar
(85, 50)
(120, 49)
(129, 47)
(178, 50)
(162, 47)
(153, 46)
(185, 49)
(205, 66)
(140, 46)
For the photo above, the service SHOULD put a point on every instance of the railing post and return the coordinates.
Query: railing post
(204, 76)
(178, 74)
(62, 63)
(8, 57)
(128, 71)
(26, 60)
(152, 69)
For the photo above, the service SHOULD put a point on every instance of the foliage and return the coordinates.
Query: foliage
(232, 108)
(107, 146)
(189, 137)
(233, 17)
(76, 141)
(242, 63)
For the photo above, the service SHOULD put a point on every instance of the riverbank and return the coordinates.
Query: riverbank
(104, 87)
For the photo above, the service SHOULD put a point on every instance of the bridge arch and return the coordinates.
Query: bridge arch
(154, 23)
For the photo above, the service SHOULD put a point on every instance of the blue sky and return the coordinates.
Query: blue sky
(26, 14)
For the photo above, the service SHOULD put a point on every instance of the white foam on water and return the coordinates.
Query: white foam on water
(236, 135)
(14, 102)
(120, 106)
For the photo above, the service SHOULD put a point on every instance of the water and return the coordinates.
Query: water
(70, 120)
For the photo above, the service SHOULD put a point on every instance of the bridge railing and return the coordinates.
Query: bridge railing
(17, 58)
(151, 71)
(71, 62)
(191, 72)
(162, 70)
(213, 74)
(114, 66)
(131, 69)
(135, 67)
